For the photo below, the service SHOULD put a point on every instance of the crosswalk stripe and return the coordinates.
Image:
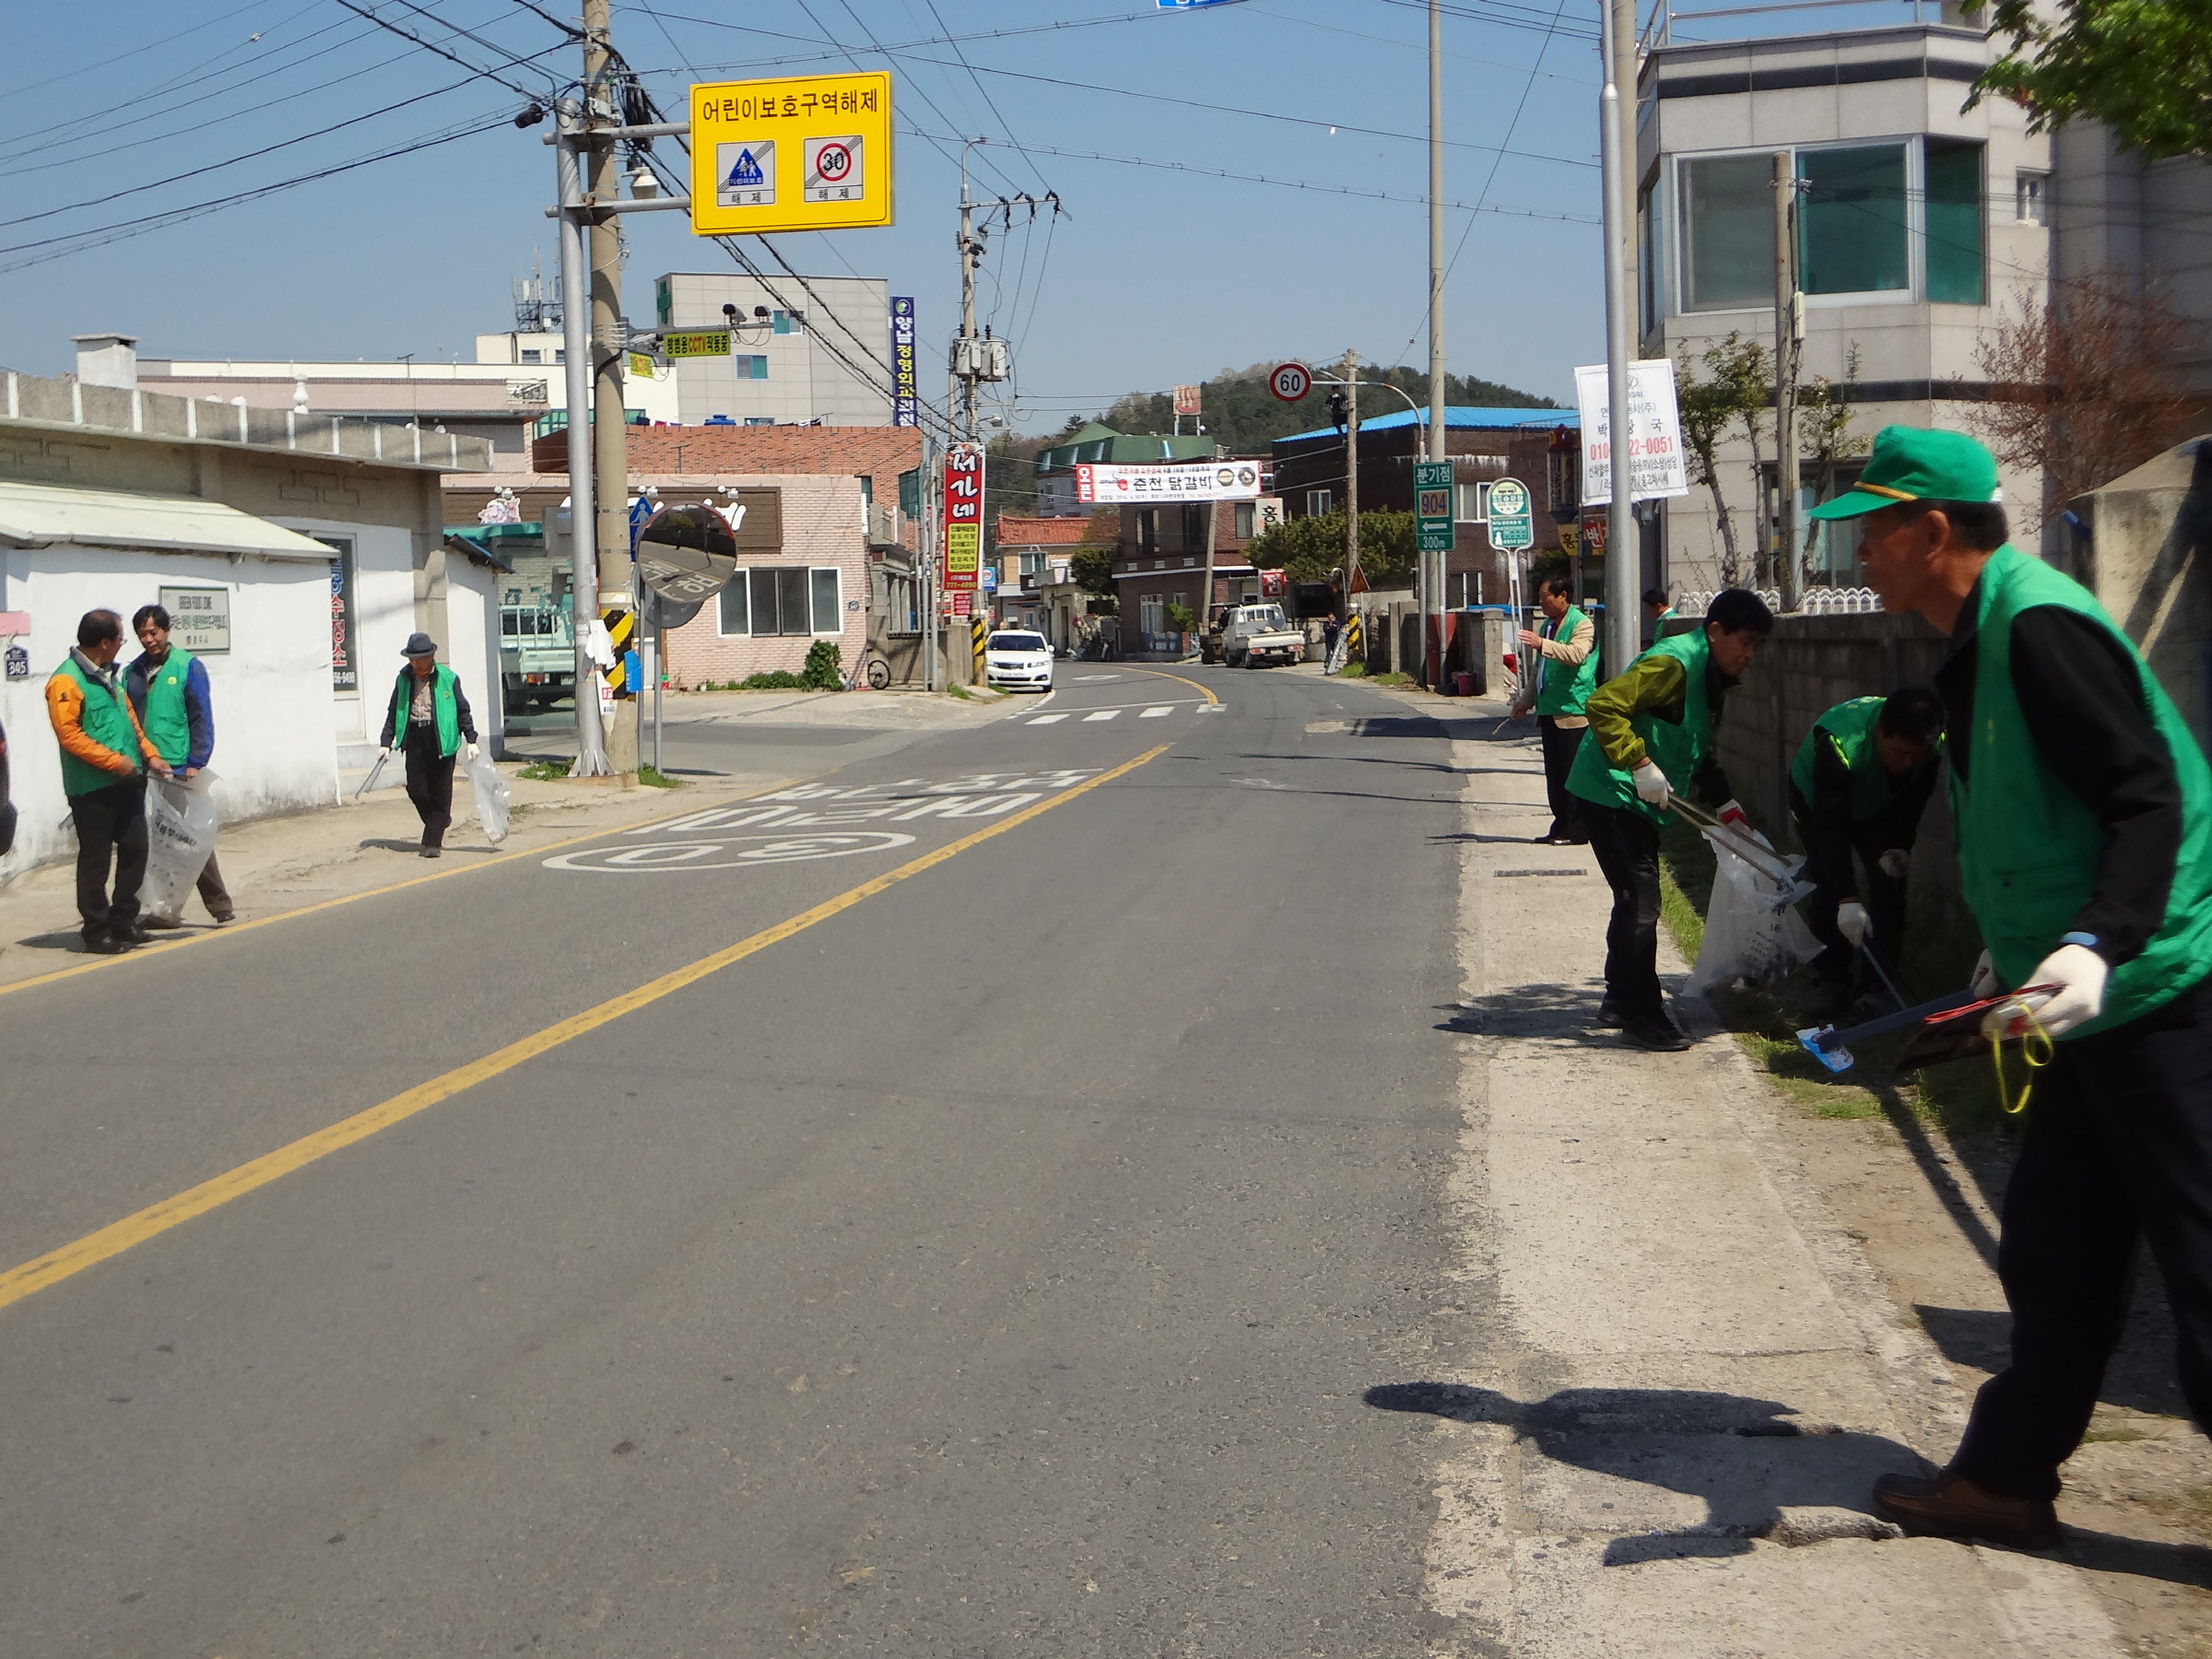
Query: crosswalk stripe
(1044, 719)
(1103, 714)
(1155, 714)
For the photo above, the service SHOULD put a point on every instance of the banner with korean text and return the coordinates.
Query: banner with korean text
(963, 518)
(1189, 481)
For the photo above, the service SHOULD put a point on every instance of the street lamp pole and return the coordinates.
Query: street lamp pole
(1621, 632)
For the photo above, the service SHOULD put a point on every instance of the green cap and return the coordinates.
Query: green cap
(1917, 464)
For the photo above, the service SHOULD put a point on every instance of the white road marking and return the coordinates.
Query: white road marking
(1213, 709)
(655, 858)
(1103, 714)
(1155, 714)
(1044, 719)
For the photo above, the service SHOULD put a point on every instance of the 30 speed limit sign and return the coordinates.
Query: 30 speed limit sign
(1290, 381)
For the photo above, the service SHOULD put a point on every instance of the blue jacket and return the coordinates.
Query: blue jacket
(199, 708)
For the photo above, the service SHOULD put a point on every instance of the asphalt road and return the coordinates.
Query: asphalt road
(986, 1260)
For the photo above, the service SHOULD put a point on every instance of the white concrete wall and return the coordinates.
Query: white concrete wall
(472, 642)
(272, 750)
(384, 606)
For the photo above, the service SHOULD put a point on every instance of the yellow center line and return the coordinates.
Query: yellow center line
(1163, 674)
(168, 948)
(155, 1219)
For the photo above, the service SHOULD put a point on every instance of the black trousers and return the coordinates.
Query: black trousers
(1559, 745)
(2118, 1144)
(111, 828)
(1882, 894)
(430, 783)
(1627, 846)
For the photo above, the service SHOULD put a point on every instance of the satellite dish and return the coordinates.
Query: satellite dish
(686, 556)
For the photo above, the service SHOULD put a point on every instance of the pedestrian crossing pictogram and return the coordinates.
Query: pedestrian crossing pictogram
(746, 173)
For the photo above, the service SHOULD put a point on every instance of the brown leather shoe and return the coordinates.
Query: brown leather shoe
(1950, 1506)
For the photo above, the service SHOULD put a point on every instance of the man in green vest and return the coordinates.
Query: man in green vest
(167, 686)
(429, 721)
(1652, 731)
(105, 758)
(1861, 780)
(2083, 812)
(1566, 674)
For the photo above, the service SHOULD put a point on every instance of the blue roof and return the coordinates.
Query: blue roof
(1455, 415)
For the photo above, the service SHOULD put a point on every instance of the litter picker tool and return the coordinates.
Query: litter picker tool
(1945, 1028)
(1765, 860)
(376, 772)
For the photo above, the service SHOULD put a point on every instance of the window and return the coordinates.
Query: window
(1319, 501)
(1474, 504)
(759, 420)
(2032, 196)
(1245, 511)
(1148, 529)
(748, 367)
(1872, 219)
(1194, 525)
(1954, 215)
(559, 355)
(530, 354)
(778, 599)
(1727, 231)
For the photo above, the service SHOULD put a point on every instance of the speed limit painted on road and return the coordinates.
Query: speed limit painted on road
(1290, 381)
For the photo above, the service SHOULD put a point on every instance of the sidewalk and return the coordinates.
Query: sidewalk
(1680, 1375)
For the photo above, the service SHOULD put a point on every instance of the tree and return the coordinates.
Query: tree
(2143, 68)
(1310, 548)
(1825, 437)
(1245, 418)
(2082, 389)
(1732, 388)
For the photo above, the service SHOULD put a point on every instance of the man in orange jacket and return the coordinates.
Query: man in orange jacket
(105, 757)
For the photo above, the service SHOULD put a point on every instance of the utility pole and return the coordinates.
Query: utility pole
(1622, 634)
(1205, 600)
(1351, 473)
(610, 445)
(1433, 565)
(970, 254)
(931, 553)
(1789, 337)
(584, 565)
(1627, 549)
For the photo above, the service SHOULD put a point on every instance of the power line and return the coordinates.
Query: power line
(479, 39)
(1005, 125)
(45, 81)
(362, 11)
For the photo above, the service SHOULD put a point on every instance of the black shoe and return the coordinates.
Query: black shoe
(432, 851)
(1950, 1506)
(133, 934)
(105, 945)
(1657, 1033)
(1609, 1014)
(224, 918)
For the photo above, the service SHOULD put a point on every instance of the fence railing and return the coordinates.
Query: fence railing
(1818, 601)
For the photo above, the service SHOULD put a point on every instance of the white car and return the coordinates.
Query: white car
(1017, 658)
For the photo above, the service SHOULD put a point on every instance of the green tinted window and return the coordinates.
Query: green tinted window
(1852, 218)
(1728, 232)
(1955, 220)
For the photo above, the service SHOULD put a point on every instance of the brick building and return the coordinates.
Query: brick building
(1485, 444)
(1160, 561)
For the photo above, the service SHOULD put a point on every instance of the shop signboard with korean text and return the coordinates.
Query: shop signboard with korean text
(906, 404)
(345, 664)
(1657, 464)
(963, 518)
(709, 342)
(199, 618)
(1192, 481)
(798, 152)
(1512, 516)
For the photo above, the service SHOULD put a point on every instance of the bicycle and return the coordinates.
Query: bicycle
(871, 670)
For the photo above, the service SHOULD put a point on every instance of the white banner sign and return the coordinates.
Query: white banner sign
(1657, 465)
(1195, 481)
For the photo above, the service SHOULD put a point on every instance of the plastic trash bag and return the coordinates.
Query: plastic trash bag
(179, 834)
(493, 796)
(1752, 929)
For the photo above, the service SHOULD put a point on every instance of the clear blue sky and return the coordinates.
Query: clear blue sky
(1155, 276)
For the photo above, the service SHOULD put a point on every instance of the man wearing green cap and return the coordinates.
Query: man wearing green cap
(2083, 812)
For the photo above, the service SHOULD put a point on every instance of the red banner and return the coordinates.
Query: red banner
(963, 518)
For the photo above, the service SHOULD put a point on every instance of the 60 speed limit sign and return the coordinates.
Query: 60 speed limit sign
(1290, 381)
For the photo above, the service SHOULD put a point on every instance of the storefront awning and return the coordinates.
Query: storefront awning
(38, 515)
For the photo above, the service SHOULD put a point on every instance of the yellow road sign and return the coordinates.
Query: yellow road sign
(803, 152)
(709, 343)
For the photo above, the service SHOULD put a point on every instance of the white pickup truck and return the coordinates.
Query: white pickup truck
(1254, 635)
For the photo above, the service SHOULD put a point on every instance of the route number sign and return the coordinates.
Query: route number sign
(1433, 506)
(1513, 518)
(1290, 381)
(801, 152)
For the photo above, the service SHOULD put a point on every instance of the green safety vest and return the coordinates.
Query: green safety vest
(441, 708)
(107, 721)
(1848, 728)
(1678, 750)
(1559, 691)
(167, 728)
(2029, 846)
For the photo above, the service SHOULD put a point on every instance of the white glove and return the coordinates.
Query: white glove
(469, 754)
(1895, 862)
(1652, 786)
(385, 750)
(2078, 973)
(1852, 923)
(1985, 982)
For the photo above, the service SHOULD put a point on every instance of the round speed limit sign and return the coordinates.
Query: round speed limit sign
(1290, 381)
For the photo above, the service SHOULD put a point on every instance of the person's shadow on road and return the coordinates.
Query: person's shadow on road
(1759, 1470)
